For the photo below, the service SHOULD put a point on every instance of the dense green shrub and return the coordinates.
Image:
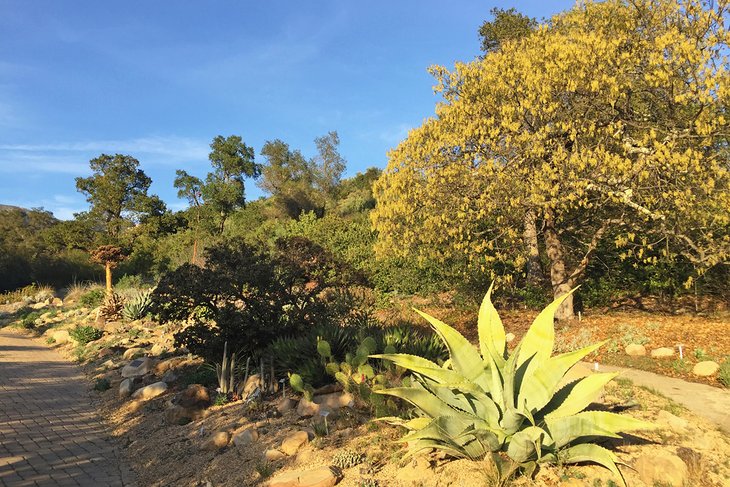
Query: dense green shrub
(92, 298)
(248, 296)
(84, 334)
(28, 317)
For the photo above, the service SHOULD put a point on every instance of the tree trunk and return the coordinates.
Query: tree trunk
(558, 275)
(534, 271)
(194, 260)
(108, 269)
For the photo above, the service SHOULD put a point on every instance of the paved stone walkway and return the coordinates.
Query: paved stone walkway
(50, 435)
(709, 402)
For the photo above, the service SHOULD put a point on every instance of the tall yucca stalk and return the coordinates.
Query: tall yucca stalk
(485, 401)
(226, 372)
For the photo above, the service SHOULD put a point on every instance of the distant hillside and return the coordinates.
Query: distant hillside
(10, 207)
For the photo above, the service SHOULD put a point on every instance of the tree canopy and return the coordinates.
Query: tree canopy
(607, 122)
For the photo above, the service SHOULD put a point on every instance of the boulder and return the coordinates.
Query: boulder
(294, 441)
(125, 387)
(150, 391)
(272, 455)
(175, 414)
(57, 302)
(245, 436)
(706, 368)
(218, 441)
(318, 477)
(661, 468)
(132, 353)
(137, 367)
(635, 350)
(39, 305)
(60, 336)
(157, 349)
(662, 352)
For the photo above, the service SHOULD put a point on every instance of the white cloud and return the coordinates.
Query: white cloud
(72, 157)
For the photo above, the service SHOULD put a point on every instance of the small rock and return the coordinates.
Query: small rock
(131, 353)
(218, 441)
(285, 405)
(335, 400)
(509, 337)
(252, 383)
(706, 368)
(170, 363)
(57, 302)
(150, 391)
(661, 468)
(169, 377)
(195, 396)
(60, 336)
(307, 408)
(125, 387)
(39, 305)
(245, 436)
(137, 368)
(272, 455)
(662, 352)
(105, 352)
(294, 441)
(318, 477)
(635, 350)
(109, 364)
(674, 423)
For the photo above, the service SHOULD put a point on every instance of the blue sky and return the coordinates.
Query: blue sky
(159, 79)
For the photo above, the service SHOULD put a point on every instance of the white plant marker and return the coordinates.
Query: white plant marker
(681, 351)
(283, 388)
(324, 412)
(595, 366)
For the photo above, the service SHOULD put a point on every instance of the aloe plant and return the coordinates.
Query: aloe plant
(485, 401)
(226, 372)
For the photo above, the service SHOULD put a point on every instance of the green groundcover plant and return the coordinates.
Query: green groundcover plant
(488, 402)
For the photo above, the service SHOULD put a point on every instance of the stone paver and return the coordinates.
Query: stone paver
(50, 434)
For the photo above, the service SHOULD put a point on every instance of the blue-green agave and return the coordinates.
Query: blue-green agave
(485, 400)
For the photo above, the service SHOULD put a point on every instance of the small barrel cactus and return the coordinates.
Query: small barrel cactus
(347, 459)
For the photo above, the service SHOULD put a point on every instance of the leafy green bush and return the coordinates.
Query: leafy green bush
(92, 298)
(102, 384)
(202, 375)
(487, 401)
(247, 296)
(84, 334)
(129, 282)
(723, 374)
(28, 317)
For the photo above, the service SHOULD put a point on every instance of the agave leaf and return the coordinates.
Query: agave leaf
(587, 452)
(509, 374)
(423, 367)
(491, 331)
(468, 399)
(540, 338)
(526, 445)
(464, 357)
(418, 446)
(496, 385)
(538, 388)
(591, 423)
(424, 400)
(581, 394)
(456, 432)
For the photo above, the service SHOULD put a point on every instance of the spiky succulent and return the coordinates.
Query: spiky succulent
(485, 401)
(139, 306)
(112, 307)
(347, 459)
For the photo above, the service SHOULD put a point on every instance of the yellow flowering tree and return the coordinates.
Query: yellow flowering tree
(609, 121)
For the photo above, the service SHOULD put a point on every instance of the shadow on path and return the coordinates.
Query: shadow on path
(50, 434)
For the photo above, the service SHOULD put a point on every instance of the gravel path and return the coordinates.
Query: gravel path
(50, 434)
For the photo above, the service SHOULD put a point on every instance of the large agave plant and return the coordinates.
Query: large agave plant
(488, 401)
(139, 307)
